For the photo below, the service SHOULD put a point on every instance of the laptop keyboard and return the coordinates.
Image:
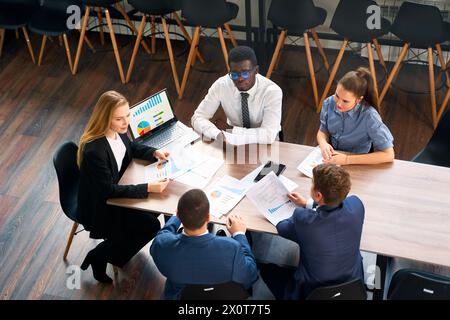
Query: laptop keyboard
(165, 137)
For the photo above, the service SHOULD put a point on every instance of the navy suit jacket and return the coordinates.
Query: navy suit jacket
(206, 259)
(329, 240)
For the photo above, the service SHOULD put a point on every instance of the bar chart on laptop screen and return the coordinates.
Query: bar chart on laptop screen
(149, 114)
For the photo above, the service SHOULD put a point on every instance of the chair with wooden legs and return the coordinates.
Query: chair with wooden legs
(50, 20)
(444, 104)
(447, 67)
(437, 150)
(350, 21)
(428, 34)
(207, 14)
(68, 174)
(14, 15)
(295, 18)
(65, 163)
(99, 6)
(153, 9)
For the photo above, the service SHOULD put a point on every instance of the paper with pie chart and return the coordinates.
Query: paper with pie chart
(179, 163)
(313, 159)
(269, 196)
(224, 194)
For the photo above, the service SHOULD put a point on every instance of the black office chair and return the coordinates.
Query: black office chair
(295, 18)
(99, 6)
(15, 14)
(51, 20)
(430, 33)
(65, 163)
(224, 291)
(350, 21)
(153, 9)
(210, 14)
(352, 290)
(409, 284)
(437, 150)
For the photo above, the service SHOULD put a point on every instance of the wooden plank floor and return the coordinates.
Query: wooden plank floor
(40, 107)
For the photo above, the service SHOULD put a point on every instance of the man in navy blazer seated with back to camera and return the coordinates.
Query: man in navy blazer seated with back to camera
(328, 237)
(196, 256)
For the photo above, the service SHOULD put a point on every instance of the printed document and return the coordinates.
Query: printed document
(240, 139)
(200, 176)
(180, 161)
(269, 196)
(224, 194)
(313, 159)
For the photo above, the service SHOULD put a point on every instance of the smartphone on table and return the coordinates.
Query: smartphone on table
(270, 166)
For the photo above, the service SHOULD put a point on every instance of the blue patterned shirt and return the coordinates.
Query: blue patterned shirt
(356, 130)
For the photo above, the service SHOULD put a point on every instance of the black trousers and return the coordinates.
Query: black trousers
(130, 231)
(278, 279)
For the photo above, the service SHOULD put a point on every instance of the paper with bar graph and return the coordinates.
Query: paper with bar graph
(180, 162)
(224, 194)
(161, 170)
(269, 196)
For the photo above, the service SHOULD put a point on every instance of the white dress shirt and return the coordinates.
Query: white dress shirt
(264, 104)
(118, 148)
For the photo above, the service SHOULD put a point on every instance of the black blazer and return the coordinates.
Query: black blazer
(99, 176)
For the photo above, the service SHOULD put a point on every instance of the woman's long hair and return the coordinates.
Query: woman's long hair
(360, 83)
(100, 119)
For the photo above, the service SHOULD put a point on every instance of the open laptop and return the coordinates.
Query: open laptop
(153, 123)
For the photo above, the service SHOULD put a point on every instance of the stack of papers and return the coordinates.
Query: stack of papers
(186, 166)
(269, 196)
(313, 159)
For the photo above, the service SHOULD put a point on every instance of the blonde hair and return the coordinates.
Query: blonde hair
(100, 119)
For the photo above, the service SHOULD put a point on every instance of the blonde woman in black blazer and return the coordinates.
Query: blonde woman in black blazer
(104, 154)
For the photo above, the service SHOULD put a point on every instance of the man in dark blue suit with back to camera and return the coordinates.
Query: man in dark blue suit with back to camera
(327, 228)
(196, 256)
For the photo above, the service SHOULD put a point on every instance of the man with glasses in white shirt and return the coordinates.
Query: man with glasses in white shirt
(251, 102)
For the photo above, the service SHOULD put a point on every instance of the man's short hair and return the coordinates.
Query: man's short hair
(333, 182)
(242, 53)
(193, 209)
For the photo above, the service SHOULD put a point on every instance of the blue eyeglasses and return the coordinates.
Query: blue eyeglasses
(244, 74)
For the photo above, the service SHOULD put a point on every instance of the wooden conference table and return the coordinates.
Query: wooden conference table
(407, 204)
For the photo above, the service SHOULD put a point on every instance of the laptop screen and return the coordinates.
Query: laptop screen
(151, 114)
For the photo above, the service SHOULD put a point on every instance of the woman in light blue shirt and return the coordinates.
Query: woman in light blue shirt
(349, 122)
